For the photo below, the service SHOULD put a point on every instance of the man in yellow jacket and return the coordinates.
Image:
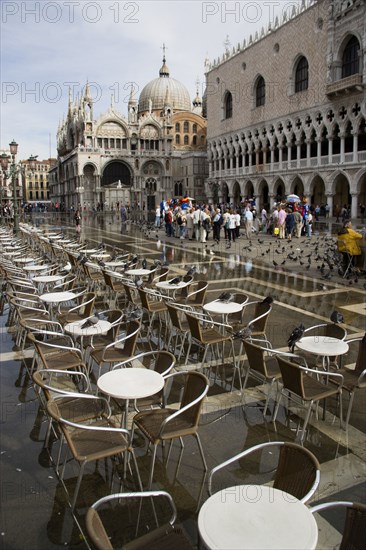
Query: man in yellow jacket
(348, 242)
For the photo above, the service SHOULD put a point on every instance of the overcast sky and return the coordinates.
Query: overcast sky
(47, 46)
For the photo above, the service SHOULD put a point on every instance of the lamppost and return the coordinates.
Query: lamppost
(14, 170)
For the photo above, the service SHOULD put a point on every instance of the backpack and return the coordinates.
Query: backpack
(167, 217)
(179, 220)
(221, 219)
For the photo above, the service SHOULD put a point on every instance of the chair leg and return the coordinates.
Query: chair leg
(306, 421)
(82, 466)
(268, 396)
(278, 398)
(348, 415)
(201, 450)
(152, 466)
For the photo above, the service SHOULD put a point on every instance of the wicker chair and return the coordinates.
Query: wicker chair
(166, 536)
(354, 532)
(90, 442)
(354, 379)
(300, 386)
(166, 424)
(297, 471)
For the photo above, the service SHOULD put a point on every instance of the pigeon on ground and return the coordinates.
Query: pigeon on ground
(144, 264)
(295, 336)
(337, 317)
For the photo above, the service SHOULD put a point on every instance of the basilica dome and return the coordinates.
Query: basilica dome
(164, 90)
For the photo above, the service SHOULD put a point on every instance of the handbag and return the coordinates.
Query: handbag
(276, 231)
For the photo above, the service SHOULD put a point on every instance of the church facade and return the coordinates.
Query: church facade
(157, 152)
(286, 109)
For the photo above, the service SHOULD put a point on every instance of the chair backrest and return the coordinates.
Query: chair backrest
(129, 293)
(200, 290)
(183, 293)
(107, 279)
(255, 356)
(361, 356)
(131, 338)
(87, 303)
(175, 315)
(194, 326)
(159, 361)
(162, 274)
(239, 298)
(354, 532)
(335, 331)
(262, 310)
(297, 470)
(112, 315)
(156, 538)
(144, 299)
(195, 388)
(292, 376)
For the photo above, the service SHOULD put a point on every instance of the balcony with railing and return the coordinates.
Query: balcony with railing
(345, 85)
(292, 165)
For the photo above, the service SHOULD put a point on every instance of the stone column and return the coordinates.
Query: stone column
(298, 153)
(308, 144)
(319, 150)
(289, 156)
(355, 147)
(342, 147)
(354, 202)
(330, 203)
(272, 156)
(280, 149)
(330, 150)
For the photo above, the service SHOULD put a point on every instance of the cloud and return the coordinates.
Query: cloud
(112, 43)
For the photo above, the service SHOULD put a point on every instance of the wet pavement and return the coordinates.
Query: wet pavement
(35, 513)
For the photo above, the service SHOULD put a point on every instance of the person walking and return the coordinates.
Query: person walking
(217, 222)
(77, 218)
(282, 222)
(248, 218)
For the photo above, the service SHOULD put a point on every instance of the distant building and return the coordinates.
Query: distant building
(286, 109)
(157, 152)
(36, 182)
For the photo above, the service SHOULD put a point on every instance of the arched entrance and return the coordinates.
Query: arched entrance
(342, 194)
(236, 194)
(297, 187)
(114, 172)
(317, 192)
(279, 190)
(263, 196)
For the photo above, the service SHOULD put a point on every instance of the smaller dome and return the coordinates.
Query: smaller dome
(164, 71)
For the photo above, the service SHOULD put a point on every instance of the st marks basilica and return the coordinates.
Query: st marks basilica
(284, 112)
(158, 151)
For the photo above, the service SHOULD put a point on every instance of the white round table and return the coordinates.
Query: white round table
(57, 297)
(130, 383)
(36, 267)
(324, 346)
(76, 328)
(115, 264)
(26, 260)
(47, 278)
(141, 272)
(218, 307)
(100, 255)
(256, 517)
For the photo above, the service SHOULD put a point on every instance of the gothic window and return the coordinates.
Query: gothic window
(260, 92)
(350, 59)
(186, 140)
(177, 139)
(302, 75)
(194, 128)
(177, 127)
(228, 105)
(186, 127)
